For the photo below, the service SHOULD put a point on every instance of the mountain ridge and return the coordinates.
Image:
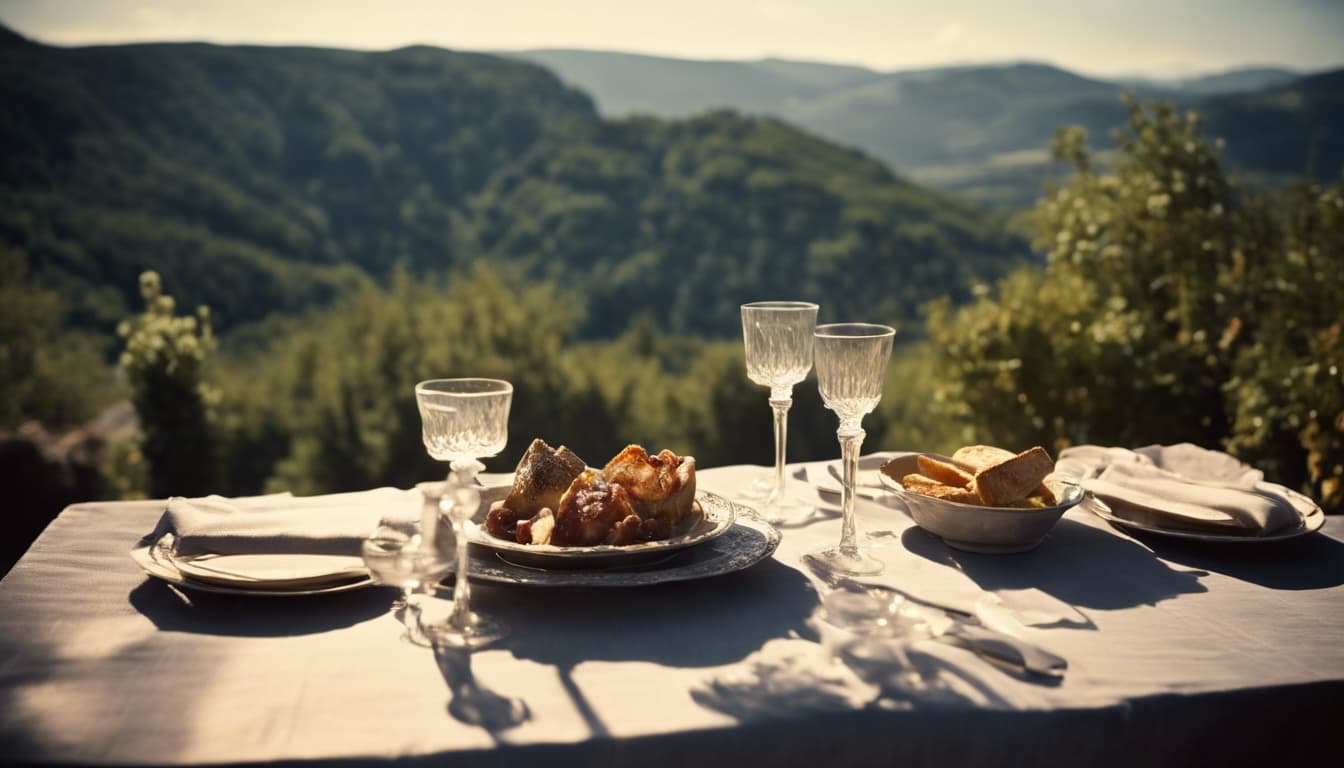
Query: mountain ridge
(275, 179)
(959, 126)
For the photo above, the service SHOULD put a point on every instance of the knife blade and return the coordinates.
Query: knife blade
(965, 630)
(1005, 649)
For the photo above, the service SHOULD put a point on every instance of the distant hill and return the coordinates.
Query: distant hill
(815, 73)
(1232, 81)
(261, 180)
(981, 131)
(635, 84)
(1289, 130)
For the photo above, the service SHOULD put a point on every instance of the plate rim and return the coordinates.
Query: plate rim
(142, 553)
(565, 578)
(483, 538)
(1311, 523)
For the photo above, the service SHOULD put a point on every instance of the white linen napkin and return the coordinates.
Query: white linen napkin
(334, 524)
(1185, 487)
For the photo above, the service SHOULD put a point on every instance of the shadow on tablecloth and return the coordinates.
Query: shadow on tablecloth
(1080, 564)
(702, 623)
(1314, 561)
(174, 610)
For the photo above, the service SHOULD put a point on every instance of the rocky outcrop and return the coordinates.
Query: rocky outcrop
(42, 472)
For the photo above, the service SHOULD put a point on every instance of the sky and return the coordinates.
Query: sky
(1160, 38)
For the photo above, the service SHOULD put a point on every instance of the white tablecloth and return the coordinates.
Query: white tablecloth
(1185, 654)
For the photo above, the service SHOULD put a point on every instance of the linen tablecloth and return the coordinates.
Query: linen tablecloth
(1185, 654)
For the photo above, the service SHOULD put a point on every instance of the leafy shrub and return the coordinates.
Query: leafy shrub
(1173, 307)
(164, 361)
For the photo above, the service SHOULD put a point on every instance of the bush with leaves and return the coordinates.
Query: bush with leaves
(348, 389)
(164, 361)
(1287, 389)
(48, 373)
(1173, 307)
(331, 406)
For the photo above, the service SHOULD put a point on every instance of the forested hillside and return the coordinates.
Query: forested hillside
(255, 179)
(263, 180)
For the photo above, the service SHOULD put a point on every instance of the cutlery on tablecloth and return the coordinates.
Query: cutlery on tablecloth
(964, 629)
(967, 631)
(835, 473)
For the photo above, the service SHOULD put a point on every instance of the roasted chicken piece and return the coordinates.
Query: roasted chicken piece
(542, 477)
(660, 487)
(556, 500)
(594, 511)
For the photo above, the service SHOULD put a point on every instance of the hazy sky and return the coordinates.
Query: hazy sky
(1156, 37)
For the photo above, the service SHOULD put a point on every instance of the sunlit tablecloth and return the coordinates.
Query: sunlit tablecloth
(1189, 654)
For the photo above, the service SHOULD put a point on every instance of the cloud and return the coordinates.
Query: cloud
(782, 10)
(950, 32)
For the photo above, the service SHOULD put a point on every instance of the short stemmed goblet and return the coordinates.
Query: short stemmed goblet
(408, 552)
(778, 338)
(464, 420)
(851, 365)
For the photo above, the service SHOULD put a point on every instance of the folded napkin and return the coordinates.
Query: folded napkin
(335, 524)
(1185, 487)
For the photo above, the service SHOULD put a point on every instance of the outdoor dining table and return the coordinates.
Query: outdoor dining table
(1179, 653)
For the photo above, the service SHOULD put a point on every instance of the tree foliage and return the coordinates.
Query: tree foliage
(48, 372)
(1173, 307)
(164, 361)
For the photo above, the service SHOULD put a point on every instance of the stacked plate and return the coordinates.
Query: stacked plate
(270, 574)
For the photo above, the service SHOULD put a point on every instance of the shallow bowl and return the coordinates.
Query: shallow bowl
(972, 528)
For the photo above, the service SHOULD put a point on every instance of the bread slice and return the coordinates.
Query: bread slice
(1014, 479)
(975, 458)
(943, 472)
(927, 486)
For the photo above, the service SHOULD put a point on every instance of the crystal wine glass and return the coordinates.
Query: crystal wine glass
(778, 337)
(408, 552)
(851, 364)
(464, 420)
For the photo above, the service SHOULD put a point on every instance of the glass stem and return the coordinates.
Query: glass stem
(850, 440)
(410, 611)
(462, 483)
(461, 618)
(780, 405)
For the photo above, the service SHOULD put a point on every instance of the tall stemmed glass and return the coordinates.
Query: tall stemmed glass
(851, 364)
(778, 339)
(464, 420)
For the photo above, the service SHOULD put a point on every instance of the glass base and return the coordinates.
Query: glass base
(758, 490)
(414, 634)
(836, 561)
(786, 510)
(479, 631)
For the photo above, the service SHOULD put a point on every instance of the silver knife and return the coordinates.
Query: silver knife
(1002, 648)
(966, 631)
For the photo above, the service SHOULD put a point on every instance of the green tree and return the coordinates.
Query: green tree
(164, 360)
(1173, 307)
(47, 372)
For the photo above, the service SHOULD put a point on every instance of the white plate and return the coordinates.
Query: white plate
(1310, 523)
(719, 515)
(746, 542)
(274, 575)
(272, 571)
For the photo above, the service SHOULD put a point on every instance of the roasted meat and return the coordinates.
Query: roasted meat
(556, 500)
(661, 487)
(542, 477)
(594, 512)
